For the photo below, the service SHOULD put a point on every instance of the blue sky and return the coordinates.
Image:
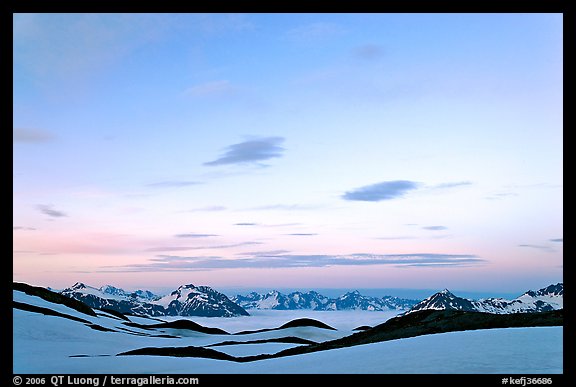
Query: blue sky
(288, 150)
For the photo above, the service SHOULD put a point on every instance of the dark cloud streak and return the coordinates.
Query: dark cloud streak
(546, 249)
(277, 259)
(385, 190)
(192, 235)
(31, 136)
(48, 210)
(434, 228)
(251, 151)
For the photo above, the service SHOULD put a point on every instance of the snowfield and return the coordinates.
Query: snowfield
(50, 344)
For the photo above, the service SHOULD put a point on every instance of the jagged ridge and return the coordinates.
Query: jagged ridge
(316, 301)
(187, 300)
(543, 300)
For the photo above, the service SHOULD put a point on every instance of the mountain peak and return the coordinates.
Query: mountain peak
(187, 300)
(545, 299)
(444, 300)
(109, 289)
(78, 286)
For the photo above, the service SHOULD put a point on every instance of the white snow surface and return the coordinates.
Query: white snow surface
(44, 344)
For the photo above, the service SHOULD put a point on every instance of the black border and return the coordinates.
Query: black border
(260, 6)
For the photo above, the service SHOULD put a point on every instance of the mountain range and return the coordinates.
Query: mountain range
(187, 300)
(190, 300)
(315, 301)
(543, 300)
(96, 340)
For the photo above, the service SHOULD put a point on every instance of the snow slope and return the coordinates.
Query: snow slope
(50, 344)
(509, 351)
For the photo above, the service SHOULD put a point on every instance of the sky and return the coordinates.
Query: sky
(288, 150)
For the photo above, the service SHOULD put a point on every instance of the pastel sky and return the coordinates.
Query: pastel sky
(288, 150)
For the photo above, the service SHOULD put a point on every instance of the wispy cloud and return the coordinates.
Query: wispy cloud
(193, 235)
(368, 52)
(500, 195)
(251, 151)
(315, 32)
(20, 228)
(385, 190)
(388, 190)
(281, 260)
(264, 253)
(31, 136)
(213, 88)
(186, 248)
(453, 184)
(301, 234)
(434, 228)
(208, 209)
(95, 41)
(544, 248)
(245, 224)
(220, 23)
(396, 238)
(557, 240)
(50, 211)
(287, 207)
(172, 184)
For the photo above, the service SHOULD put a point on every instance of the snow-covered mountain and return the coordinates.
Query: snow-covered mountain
(316, 301)
(187, 300)
(190, 300)
(545, 299)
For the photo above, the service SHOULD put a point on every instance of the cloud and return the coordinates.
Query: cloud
(48, 210)
(498, 196)
(556, 240)
(368, 51)
(386, 190)
(287, 207)
(20, 228)
(193, 235)
(302, 234)
(208, 209)
(31, 136)
(245, 224)
(172, 184)
(452, 184)
(281, 225)
(264, 253)
(71, 47)
(250, 151)
(397, 238)
(546, 249)
(434, 228)
(214, 88)
(74, 47)
(220, 23)
(186, 248)
(314, 32)
(281, 260)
